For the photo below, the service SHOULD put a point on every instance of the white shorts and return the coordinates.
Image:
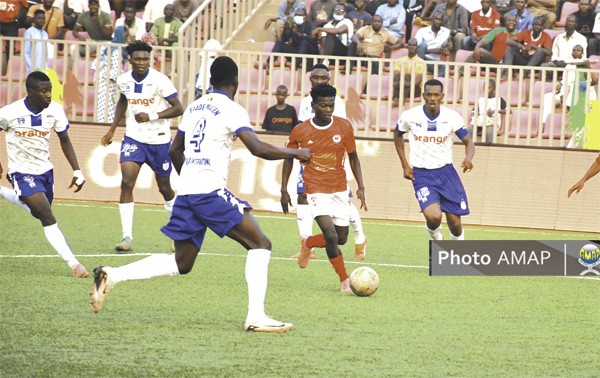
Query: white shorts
(336, 205)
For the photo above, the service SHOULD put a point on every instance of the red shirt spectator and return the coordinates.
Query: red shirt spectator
(10, 9)
(481, 23)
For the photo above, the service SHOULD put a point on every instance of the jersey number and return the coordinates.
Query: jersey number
(198, 134)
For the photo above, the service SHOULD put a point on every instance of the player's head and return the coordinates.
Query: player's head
(39, 90)
(224, 73)
(323, 101)
(139, 57)
(433, 94)
(319, 75)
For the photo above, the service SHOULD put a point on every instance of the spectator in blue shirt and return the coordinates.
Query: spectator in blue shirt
(524, 18)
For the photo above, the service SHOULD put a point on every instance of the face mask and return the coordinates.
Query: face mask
(338, 17)
(298, 20)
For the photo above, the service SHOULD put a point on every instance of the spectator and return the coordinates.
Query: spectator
(372, 5)
(413, 8)
(372, 41)
(285, 14)
(528, 47)
(281, 117)
(482, 22)
(545, 8)
(9, 26)
(336, 34)
(73, 8)
(428, 7)
(470, 5)
(497, 38)
(393, 16)
(503, 6)
(54, 24)
(585, 19)
(594, 42)
(297, 38)
(153, 11)
(488, 112)
(133, 27)
(321, 11)
(359, 17)
(563, 44)
(414, 68)
(185, 8)
(36, 53)
(96, 23)
(524, 18)
(456, 20)
(433, 42)
(69, 15)
(559, 7)
(349, 7)
(207, 57)
(166, 28)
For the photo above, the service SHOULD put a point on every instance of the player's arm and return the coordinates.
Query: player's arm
(593, 171)
(467, 164)
(69, 152)
(175, 110)
(285, 199)
(119, 114)
(176, 150)
(268, 151)
(357, 172)
(400, 150)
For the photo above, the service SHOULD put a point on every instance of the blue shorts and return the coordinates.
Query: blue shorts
(300, 185)
(443, 186)
(193, 213)
(155, 155)
(26, 184)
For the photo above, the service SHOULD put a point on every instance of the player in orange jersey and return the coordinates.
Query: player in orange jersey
(592, 171)
(329, 138)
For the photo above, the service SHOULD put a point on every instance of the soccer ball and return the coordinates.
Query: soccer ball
(364, 281)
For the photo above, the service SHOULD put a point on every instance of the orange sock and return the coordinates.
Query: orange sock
(339, 267)
(317, 241)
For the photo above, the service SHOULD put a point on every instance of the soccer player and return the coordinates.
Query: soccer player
(150, 100)
(329, 139)
(28, 123)
(437, 185)
(320, 75)
(592, 171)
(201, 153)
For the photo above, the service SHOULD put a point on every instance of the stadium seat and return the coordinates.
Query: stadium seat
(344, 83)
(553, 32)
(251, 80)
(568, 8)
(305, 86)
(399, 53)
(511, 93)
(452, 89)
(16, 69)
(282, 76)
(595, 61)
(519, 124)
(257, 107)
(89, 108)
(379, 86)
(4, 99)
(553, 126)
(385, 118)
(537, 94)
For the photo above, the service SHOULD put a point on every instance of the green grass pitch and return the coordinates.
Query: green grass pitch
(414, 325)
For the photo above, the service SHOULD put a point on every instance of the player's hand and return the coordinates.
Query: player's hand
(107, 138)
(77, 181)
(575, 188)
(360, 194)
(467, 165)
(142, 117)
(286, 201)
(408, 173)
(303, 155)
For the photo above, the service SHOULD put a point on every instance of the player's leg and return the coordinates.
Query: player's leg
(455, 226)
(304, 216)
(37, 198)
(360, 239)
(427, 194)
(453, 201)
(129, 171)
(12, 197)
(433, 221)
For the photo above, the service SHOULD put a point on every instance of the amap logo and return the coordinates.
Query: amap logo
(589, 256)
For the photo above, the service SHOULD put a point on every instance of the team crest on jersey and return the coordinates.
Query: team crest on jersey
(165, 165)
(126, 88)
(463, 205)
(127, 149)
(30, 180)
(21, 121)
(337, 138)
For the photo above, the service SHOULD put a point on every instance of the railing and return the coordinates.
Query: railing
(368, 97)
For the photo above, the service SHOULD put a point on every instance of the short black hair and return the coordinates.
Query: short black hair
(34, 78)
(322, 90)
(138, 46)
(433, 83)
(38, 11)
(223, 71)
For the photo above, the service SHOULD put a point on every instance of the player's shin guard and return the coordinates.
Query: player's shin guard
(257, 271)
(356, 223)
(57, 240)
(435, 234)
(126, 211)
(157, 265)
(339, 267)
(305, 220)
(459, 237)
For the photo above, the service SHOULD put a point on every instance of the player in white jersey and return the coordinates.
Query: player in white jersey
(201, 153)
(28, 123)
(150, 100)
(320, 75)
(437, 185)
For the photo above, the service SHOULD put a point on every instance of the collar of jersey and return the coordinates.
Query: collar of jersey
(34, 111)
(427, 114)
(321, 127)
(142, 79)
(221, 92)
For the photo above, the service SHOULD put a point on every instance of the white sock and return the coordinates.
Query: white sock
(158, 265)
(305, 220)
(12, 197)
(169, 206)
(257, 270)
(356, 223)
(59, 243)
(459, 237)
(126, 211)
(435, 234)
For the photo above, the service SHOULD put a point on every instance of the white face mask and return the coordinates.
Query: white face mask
(338, 17)
(298, 20)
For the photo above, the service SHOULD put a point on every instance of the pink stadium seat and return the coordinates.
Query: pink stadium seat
(257, 107)
(251, 80)
(399, 53)
(452, 89)
(88, 109)
(553, 32)
(555, 131)
(282, 76)
(385, 118)
(537, 94)
(16, 69)
(511, 93)
(379, 86)
(520, 122)
(567, 9)
(4, 100)
(346, 82)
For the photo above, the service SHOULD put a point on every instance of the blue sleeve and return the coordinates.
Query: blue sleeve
(462, 132)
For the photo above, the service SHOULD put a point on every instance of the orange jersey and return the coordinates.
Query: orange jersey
(328, 147)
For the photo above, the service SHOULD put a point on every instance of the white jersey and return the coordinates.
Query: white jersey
(307, 112)
(431, 139)
(150, 95)
(209, 125)
(28, 135)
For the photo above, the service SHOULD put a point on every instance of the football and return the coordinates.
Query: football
(364, 281)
